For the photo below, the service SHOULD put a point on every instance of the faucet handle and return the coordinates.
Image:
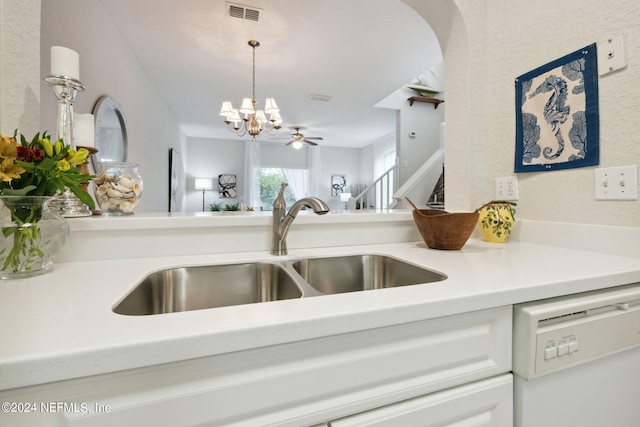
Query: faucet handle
(279, 201)
(282, 188)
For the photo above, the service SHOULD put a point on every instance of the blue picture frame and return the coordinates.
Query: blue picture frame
(557, 118)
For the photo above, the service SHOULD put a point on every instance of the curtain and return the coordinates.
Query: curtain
(384, 155)
(314, 171)
(298, 181)
(251, 167)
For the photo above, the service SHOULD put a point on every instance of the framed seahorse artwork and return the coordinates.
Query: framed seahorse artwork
(557, 119)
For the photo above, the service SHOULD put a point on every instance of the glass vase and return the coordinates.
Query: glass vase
(32, 236)
(118, 188)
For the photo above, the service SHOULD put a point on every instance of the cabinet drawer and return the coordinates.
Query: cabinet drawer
(486, 403)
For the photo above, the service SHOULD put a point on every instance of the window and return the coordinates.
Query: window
(270, 180)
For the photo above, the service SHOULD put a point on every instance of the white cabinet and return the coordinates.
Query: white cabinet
(301, 383)
(486, 403)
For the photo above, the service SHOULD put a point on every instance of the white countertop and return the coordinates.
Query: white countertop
(60, 325)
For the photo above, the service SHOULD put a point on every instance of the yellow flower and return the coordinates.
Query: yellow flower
(46, 146)
(77, 157)
(58, 146)
(10, 170)
(63, 165)
(8, 148)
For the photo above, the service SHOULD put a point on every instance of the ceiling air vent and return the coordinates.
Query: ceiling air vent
(320, 98)
(243, 12)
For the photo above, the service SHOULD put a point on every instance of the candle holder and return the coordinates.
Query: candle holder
(66, 89)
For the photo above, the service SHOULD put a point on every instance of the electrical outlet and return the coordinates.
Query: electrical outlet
(619, 183)
(507, 188)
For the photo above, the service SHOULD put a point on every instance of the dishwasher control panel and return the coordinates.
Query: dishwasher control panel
(566, 345)
(558, 333)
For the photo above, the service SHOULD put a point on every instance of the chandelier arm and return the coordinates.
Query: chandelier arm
(240, 130)
(272, 131)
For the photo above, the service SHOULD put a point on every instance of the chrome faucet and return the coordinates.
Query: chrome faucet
(282, 219)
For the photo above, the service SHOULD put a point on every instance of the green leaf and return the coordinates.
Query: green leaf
(47, 164)
(8, 231)
(82, 195)
(18, 191)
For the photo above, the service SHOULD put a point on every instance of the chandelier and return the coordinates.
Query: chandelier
(253, 121)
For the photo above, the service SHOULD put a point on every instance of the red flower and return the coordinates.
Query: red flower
(30, 154)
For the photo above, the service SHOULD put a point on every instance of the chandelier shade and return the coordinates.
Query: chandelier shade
(246, 107)
(248, 119)
(227, 109)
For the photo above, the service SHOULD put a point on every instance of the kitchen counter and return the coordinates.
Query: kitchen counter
(60, 325)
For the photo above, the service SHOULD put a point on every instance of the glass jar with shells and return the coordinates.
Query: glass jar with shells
(118, 187)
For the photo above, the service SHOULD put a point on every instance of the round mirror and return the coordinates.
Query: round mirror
(110, 131)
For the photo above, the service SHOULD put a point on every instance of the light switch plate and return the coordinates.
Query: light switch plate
(617, 183)
(612, 54)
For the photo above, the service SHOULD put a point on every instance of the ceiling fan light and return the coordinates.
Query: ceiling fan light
(247, 106)
(226, 110)
(271, 106)
(296, 144)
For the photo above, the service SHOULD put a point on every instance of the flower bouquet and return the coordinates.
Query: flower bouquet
(31, 173)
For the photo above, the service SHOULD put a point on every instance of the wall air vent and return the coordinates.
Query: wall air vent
(243, 12)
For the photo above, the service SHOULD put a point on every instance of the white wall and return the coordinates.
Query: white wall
(107, 67)
(424, 120)
(19, 66)
(338, 161)
(486, 45)
(208, 158)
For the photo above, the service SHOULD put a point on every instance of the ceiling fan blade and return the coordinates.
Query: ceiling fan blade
(319, 138)
(289, 143)
(309, 142)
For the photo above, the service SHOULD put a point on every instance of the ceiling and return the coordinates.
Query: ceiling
(358, 52)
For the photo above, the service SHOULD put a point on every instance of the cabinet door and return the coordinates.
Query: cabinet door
(483, 403)
(289, 385)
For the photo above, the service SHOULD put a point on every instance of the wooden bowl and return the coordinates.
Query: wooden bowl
(444, 230)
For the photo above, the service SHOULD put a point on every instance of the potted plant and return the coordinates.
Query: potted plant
(233, 207)
(215, 207)
(31, 174)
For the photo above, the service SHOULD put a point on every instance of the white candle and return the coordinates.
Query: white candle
(84, 130)
(65, 62)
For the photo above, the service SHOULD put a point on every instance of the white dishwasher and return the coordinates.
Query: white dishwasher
(577, 360)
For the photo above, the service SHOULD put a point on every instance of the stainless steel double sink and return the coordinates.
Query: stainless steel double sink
(202, 287)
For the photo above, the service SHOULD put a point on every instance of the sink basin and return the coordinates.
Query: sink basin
(361, 272)
(196, 288)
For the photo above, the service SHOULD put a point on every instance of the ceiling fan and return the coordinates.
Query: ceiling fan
(298, 138)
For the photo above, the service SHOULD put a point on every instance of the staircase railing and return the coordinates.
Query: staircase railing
(436, 160)
(378, 195)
